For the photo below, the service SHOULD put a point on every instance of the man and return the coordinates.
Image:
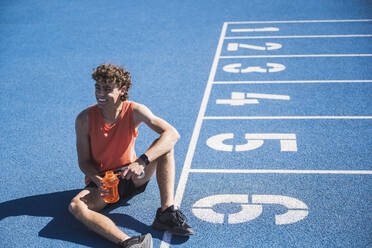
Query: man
(105, 136)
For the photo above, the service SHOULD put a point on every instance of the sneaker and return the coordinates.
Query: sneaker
(173, 221)
(143, 241)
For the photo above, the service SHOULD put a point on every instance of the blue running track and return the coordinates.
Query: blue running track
(273, 100)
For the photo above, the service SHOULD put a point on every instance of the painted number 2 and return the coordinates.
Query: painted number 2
(231, 47)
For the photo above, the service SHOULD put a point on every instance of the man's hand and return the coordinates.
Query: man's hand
(97, 180)
(133, 170)
(101, 187)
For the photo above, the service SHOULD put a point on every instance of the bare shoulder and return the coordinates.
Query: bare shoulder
(81, 122)
(138, 107)
(144, 114)
(140, 111)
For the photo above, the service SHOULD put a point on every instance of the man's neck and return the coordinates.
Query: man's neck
(111, 115)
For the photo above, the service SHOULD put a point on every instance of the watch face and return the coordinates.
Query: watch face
(145, 159)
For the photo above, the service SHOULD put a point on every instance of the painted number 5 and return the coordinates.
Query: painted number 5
(254, 141)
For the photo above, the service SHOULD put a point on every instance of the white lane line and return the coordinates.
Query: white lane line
(292, 82)
(268, 96)
(283, 117)
(259, 171)
(269, 29)
(300, 36)
(195, 135)
(296, 56)
(167, 237)
(302, 21)
(190, 153)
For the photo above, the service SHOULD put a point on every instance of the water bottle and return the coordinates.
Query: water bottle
(110, 182)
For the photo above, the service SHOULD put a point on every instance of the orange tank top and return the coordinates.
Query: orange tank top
(112, 146)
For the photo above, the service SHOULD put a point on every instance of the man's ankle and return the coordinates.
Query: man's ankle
(165, 207)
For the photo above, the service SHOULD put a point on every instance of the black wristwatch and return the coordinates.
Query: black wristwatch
(145, 159)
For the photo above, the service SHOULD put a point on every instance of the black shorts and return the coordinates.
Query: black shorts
(126, 189)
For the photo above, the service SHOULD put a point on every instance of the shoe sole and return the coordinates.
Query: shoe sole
(146, 243)
(161, 227)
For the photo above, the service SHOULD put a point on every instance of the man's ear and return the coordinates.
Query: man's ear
(123, 89)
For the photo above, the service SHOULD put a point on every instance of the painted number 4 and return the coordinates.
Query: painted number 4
(240, 98)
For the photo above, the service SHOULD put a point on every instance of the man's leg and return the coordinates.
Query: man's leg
(85, 206)
(165, 174)
(168, 218)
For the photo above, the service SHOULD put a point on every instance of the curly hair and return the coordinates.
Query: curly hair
(109, 73)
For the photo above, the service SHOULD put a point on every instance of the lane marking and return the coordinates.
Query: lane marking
(203, 208)
(238, 98)
(268, 96)
(190, 153)
(296, 56)
(270, 67)
(297, 210)
(292, 82)
(254, 141)
(167, 237)
(237, 101)
(267, 29)
(284, 117)
(302, 21)
(233, 47)
(265, 171)
(195, 135)
(299, 36)
(192, 146)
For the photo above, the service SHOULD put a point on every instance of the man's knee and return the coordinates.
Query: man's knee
(77, 207)
(169, 156)
(73, 207)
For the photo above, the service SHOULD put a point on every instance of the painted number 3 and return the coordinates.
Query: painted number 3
(270, 67)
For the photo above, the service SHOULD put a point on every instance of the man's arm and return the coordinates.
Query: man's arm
(83, 148)
(168, 134)
(162, 145)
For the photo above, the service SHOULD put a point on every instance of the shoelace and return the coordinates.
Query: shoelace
(133, 240)
(180, 216)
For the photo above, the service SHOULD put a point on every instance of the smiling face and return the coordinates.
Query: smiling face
(108, 94)
(112, 82)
